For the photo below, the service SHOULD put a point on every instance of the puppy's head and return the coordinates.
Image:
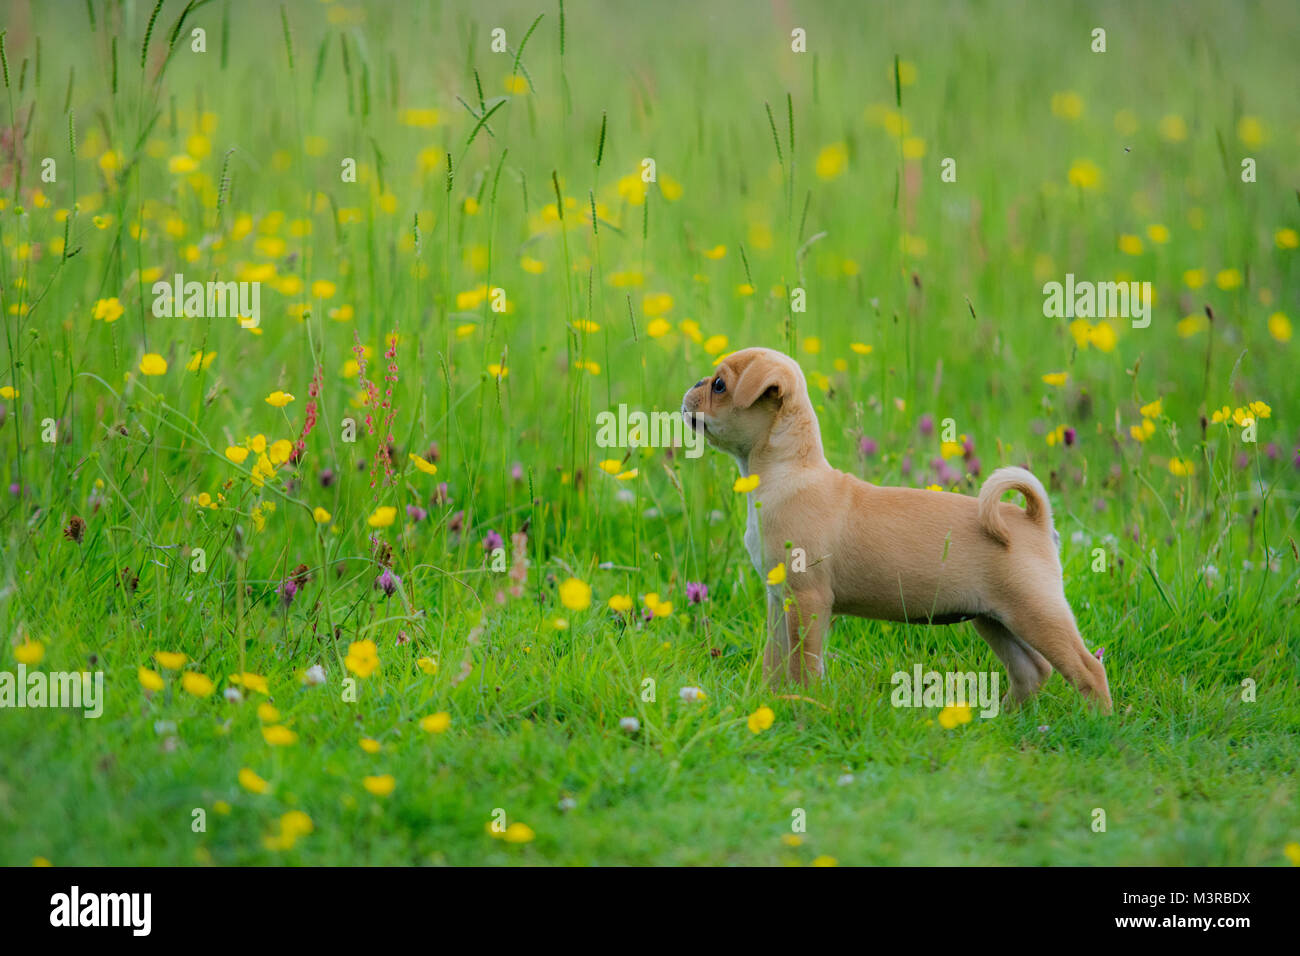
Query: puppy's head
(740, 404)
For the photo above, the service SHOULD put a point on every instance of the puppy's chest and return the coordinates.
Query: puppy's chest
(753, 539)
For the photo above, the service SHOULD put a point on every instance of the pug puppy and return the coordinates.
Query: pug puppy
(895, 554)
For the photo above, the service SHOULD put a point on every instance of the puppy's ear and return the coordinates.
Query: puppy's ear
(761, 377)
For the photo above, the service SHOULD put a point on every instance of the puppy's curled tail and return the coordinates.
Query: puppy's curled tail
(1037, 508)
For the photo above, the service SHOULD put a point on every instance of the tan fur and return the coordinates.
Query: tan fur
(897, 554)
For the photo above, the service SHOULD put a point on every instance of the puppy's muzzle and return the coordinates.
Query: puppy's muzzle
(689, 407)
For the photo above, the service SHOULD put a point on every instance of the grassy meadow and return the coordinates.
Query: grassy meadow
(363, 587)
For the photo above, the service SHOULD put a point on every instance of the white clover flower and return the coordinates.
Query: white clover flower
(313, 675)
(630, 724)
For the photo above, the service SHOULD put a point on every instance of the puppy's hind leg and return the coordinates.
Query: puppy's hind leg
(1027, 669)
(1049, 628)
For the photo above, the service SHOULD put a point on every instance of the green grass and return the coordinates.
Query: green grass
(786, 160)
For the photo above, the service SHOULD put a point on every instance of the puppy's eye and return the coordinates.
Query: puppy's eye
(719, 385)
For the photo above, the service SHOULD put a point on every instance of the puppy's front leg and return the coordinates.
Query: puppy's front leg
(806, 622)
(794, 641)
(776, 655)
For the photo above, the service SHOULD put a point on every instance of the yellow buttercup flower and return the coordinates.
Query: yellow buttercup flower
(252, 782)
(622, 603)
(519, 833)
(428, 467)
(761, 719)
(1067, 105)
(108, 310)
(294, 824)
(425, 117)
(745, 485)
(279, 736)
(575, 594)
(1251, 131)
(153, 364)
(832, 161)
(171, 660)
(1056, 378)
(200, 361)
(363, 658)
(1279, 326)
(1085, 174)
(192, 682)
(253, 682)
(380, 786)
(382, 517)
(657, 607)
(1228, 279)
(1143, 431)
(953, 715)
(30, 652)
(320, 515)
(776, 575)
(280, 451)
(279, 399)
(1102, 337)
(149, 679)
(656, 304)
(436, 723)
(1173, 128)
